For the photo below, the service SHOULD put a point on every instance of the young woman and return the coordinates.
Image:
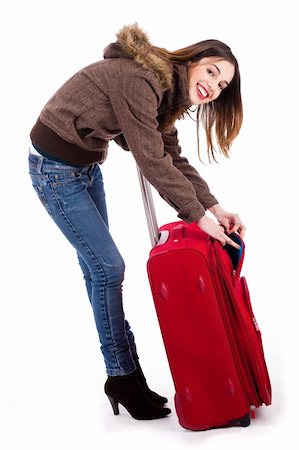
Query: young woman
(133, 96)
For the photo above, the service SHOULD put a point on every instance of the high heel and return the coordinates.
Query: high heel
(127, 391)
(114, 405)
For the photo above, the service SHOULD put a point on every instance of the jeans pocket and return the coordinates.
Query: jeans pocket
(41, 195)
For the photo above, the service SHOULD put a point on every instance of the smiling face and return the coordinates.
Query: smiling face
(207, 78)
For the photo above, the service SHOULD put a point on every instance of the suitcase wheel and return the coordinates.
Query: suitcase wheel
(245, 421)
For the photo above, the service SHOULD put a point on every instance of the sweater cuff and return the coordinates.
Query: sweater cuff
(211, 203)
(192, 214)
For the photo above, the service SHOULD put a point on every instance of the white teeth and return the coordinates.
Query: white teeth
(202, 91)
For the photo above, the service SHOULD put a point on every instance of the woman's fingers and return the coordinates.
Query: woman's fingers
(218, 231)
(233, 244)
(237, 226)
(227, 240)
(242, 230)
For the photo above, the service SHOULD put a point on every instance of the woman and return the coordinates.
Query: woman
(133, 96)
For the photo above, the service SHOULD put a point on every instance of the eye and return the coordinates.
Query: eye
(210, 72)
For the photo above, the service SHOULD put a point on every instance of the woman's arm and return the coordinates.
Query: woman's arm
(171, 146)
(135, 102)
(227, 222)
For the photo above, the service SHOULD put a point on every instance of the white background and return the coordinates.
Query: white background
(52, 369)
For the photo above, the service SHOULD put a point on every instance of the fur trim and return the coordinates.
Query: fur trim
(134, 41)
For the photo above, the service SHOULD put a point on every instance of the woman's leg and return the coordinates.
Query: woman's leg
(97, 193)
(88, 284)
(64, 192)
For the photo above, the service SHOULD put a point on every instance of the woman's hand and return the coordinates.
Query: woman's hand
(231, 222)
(216, 231)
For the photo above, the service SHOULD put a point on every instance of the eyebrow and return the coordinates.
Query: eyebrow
(219, 72)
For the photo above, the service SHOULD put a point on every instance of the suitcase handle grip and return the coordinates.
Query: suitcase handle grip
(178, 232)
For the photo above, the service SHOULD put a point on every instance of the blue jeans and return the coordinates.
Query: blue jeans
(75, 199)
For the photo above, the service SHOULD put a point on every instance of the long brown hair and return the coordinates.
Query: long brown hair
(226, 112)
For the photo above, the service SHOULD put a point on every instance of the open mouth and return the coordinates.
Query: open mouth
(201, 91)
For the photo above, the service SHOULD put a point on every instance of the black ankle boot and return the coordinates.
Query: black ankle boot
(127, 391)
(153, 396)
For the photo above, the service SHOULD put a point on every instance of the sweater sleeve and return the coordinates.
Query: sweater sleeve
(171, 146)
(135, 101)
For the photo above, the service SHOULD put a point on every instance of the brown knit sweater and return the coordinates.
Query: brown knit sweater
(124, 97)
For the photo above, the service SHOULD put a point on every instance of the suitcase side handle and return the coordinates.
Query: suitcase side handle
(149, 208)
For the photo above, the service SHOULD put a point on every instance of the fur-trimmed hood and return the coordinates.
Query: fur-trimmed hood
(132, 42)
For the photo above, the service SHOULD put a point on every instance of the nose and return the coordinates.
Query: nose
(211, 86)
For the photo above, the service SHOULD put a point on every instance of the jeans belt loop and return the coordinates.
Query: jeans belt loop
(39, 166)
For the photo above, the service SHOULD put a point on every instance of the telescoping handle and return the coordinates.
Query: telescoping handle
(149, 208)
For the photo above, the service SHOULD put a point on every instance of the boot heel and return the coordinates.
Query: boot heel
(114, 405)
(126, 390)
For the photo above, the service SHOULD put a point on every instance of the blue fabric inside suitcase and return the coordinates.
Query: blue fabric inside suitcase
(234, 253)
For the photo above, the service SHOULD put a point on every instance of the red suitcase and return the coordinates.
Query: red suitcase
(211, 337)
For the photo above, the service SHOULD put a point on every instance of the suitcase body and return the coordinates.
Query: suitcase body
(211, 338)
